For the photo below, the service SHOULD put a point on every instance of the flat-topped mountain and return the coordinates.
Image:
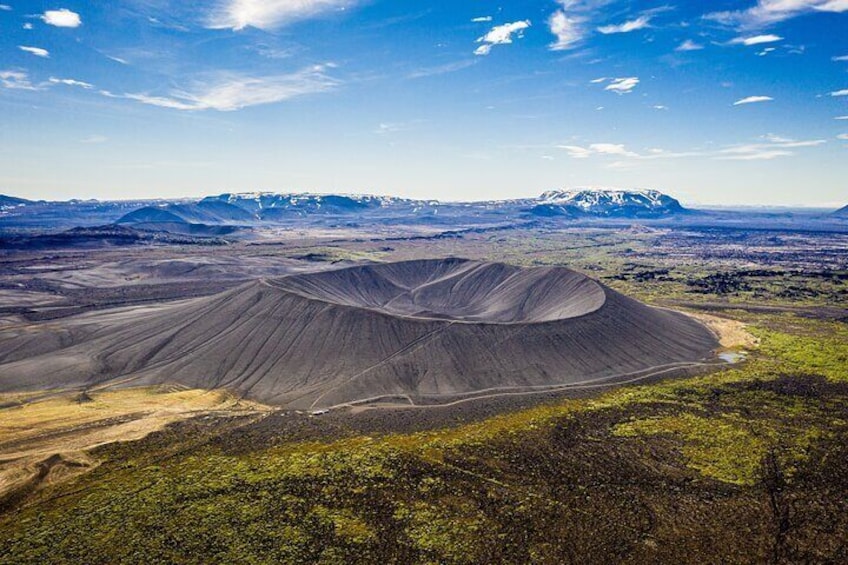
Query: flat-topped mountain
(607, 203)
(426, 331)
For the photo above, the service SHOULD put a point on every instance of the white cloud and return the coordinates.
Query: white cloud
(756, 40)
(753, 100)
(27, 26)
(577, 152)
(385, 128)
(598, 80)
(269, 14)
(482, 19)
(441, 69)
(772, 148)
(768, 12)
(765, 51)
(16, 80)
(611, 149)
(569, 30)
(62, 18)
(622, 85)
(5, 8)
(841, 118)
(660, 107)
(842, 136)
(769, 147)
(37, 51)
(639, 23)
(689, 45)
(501, 35)
(753, 153)
(570, 23)
(236, 92)
(607, 149)
(840, 92)
(71, 82)
(840, 58)
(619, 151)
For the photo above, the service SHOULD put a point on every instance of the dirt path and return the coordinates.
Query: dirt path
(604, 382)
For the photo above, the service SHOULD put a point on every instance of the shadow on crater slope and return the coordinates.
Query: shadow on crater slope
(421, 331)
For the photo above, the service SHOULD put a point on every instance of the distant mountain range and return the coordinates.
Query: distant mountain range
(270, 207)
(197, 217)
(223, 219)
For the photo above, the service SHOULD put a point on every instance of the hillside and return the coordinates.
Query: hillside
(423, 331)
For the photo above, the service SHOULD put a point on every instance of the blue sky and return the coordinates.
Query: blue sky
(726, 102)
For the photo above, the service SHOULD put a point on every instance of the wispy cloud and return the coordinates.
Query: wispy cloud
(767, 12)
(620, 151)
(574, 21)
(482, 19)
(622, 85)
(689, 45)
(501, 35)
(37, 51)
(5, 8)
(842, 136)
(270, 14)
(614, 149)
(756, 39)
(441, 69)
(71, 82)
(386, 128)
(568, 30)
(840, 58)
(771, 148)
(61, 18)
(841, 118)
(16, 80)
(234, 92)
(843, 92)
(753, 100)
(94, 139)
(633, 25)
(766, 148)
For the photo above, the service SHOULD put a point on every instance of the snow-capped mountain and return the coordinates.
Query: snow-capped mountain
(606, 203)
(261, 202)
(10, 202)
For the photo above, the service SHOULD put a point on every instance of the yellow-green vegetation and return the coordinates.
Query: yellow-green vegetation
(816, 348)
(727, 448)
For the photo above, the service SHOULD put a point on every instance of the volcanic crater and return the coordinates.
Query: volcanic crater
(420, 332)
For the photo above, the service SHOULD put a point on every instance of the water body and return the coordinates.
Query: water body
(732, 356)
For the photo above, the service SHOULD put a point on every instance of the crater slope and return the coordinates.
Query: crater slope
(426, 332)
